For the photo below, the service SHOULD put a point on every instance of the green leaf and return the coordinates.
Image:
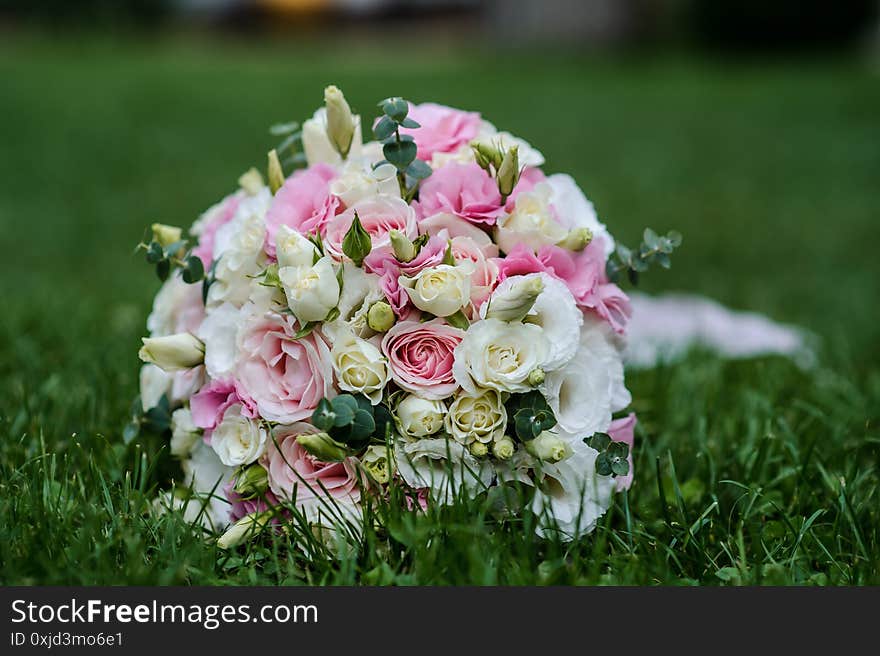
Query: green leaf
(193, 269)
(344, 415)
(618, 450)
(619, 467)
(418, 170)
(674, 238)
(347, 401)
(323, 416)
(603, 465)
(598, 441)
(163, 268)
(155, 253)
(409, 123)
(357, 243)
(384, 128)
(174, 248)
(400, 154)
(458, 320)
(306, 329)
(384, 421)
(395, 108)
(651, 238)
(362, 426)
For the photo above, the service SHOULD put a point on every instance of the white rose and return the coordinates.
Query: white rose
(173, 352)
(293, 249)
(238, 440)
(574, 210)
(238, 255)
(311, 291)
(359, 366)
(480, 418)
(584, 393)
(533, 221)
(441, 290)
(498, 355)
(184, 433)
(154, 383)
(317, 145)
(359, 180)
(418, 417)
(570, 496)
(557, 313)
(218, 332)
(444, 466)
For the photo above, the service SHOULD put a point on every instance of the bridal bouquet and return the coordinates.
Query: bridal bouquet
(427, 310)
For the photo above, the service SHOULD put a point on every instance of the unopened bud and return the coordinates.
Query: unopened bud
(244, 529)
(548, 447)
(404, 249)
(508, 172)
(577, 239)
(536, 377)
(504, 448)
(173, 352)
(513, 300)
(478, 449)
(340, 122)
(165, 234)
(380, 317)
(486, 154)
(275, 172)
(251, 181)
(323, 447)
(252, 482)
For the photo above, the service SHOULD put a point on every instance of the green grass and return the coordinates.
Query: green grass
(746, 472)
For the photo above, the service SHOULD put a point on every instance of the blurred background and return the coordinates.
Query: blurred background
(753, 127)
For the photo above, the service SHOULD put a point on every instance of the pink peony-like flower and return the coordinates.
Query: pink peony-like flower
(383, 262)
(285, 376)
(220, 215)
(443, 129)
(623, 430)
(210, 403)
(464, 190)
(378, 216)
(583, 273)
(291, 468)
(303, 202)
(421, 357)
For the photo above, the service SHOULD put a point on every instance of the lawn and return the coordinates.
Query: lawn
(746, 472)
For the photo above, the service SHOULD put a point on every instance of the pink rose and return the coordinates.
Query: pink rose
(383, 262)
(291, 467)
(421, 357)
(379, 216)
(303, 203)
(286, 377)
(210, 403)
(218, 216)
(464, 190)
(623, 430)
(443, 129)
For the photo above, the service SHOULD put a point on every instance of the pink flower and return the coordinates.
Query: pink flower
(623, 430)
(240, 507)
(452, 227)
(210, 403)
(291, 468)
(220, 215)
(443, 129)
(384, 263)
(379, 216)
(464, 190)
(583, 273)
(285, 377)
(421, 356)
(303, 203)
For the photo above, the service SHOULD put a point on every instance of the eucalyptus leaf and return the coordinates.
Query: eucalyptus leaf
(400, 154)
